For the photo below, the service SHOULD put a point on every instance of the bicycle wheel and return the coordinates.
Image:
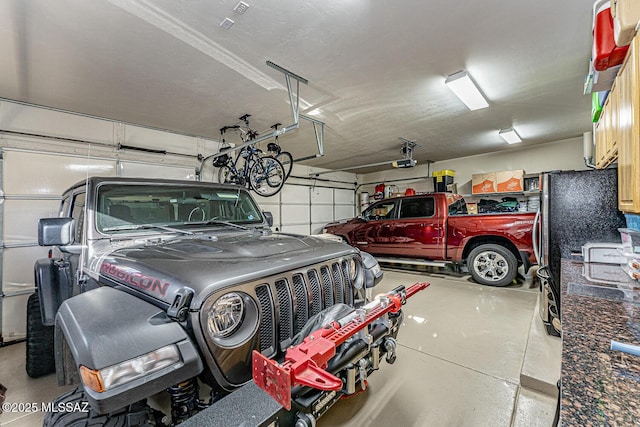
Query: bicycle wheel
(225, 175)
(286, 159)
(266, 176)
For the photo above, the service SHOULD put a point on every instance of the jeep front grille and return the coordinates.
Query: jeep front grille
(288, 301)
(316, 294)
(266, 325)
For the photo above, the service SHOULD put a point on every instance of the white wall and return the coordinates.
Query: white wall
(558, 155)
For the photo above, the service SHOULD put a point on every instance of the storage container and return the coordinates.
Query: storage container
(630, 241)
(442, 178)
(482, 183)
(472, 207)
(605, 51)
(633, 221)
(510, 181)
(596, 108)
(625, 14)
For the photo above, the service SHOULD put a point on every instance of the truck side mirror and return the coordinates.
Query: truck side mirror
(56, 231)
(269, 217)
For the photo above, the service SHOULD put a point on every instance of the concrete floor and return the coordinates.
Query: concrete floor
(461, 354)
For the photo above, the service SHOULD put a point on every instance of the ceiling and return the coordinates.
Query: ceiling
(376, 69)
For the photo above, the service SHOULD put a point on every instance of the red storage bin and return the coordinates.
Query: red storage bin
(606, 53)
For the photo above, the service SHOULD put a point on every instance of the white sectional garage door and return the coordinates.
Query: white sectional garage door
(32, 183)
(306, 209)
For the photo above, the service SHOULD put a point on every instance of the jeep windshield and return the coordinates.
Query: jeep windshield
(125, 208)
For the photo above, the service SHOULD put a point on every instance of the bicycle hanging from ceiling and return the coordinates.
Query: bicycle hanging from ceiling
(251, 139)
(263, 174)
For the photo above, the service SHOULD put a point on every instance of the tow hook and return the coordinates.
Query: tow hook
(390, 345)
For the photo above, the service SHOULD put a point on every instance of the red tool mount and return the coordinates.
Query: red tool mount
(305, 363)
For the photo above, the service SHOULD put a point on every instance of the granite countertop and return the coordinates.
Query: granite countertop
(599, 387)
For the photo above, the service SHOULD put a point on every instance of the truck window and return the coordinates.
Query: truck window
(382, 210)
(416, 208)
(458, 207)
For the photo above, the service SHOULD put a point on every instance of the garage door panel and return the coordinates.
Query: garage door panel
(13, 317)
(138, 136)
(322, 195)
(145, 170)
(17, 267)
(28, 119)
(322, 213)
(294, 194)
(49, 174)
(342, 212)
(295, 214)
(21, 218)
(344, 197)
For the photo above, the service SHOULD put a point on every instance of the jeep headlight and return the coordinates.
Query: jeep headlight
(353, 269)
(112, 376)
(225, 315)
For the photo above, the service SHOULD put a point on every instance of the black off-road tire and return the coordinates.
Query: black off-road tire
(77, 413)
(40, 359)
(492, 265)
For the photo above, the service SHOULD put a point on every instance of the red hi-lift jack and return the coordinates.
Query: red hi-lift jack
(305, 364)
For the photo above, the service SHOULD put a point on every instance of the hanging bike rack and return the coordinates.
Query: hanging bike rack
(318, 126)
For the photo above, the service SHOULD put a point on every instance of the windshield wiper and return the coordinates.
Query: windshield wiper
(221, 222)
(133, 227)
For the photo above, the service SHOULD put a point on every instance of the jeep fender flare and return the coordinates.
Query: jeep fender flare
(50, 289)
(105, 327)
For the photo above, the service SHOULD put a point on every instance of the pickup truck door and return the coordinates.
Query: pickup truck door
(374, 233)
(419, 230)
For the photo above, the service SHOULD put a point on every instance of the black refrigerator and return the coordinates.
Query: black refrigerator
(576, 207)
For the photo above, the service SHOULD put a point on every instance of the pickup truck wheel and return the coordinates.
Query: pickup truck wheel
(492, 265)
(76, 412)
(40, 359)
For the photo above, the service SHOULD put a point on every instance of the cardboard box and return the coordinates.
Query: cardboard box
(510, 181)
(472, 207)
(482, 183)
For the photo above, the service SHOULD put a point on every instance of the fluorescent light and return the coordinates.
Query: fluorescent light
(510, 136)
(462, 85)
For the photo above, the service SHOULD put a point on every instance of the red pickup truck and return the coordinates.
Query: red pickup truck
(435, 227)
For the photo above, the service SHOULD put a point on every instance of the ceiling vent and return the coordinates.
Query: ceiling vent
(241, 8)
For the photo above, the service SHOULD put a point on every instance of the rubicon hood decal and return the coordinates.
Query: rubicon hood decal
(135, 278)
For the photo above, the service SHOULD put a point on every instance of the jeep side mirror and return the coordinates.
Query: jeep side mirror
(269, 217)
(56, 231)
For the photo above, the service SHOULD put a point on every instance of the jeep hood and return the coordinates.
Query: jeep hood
(206, 263)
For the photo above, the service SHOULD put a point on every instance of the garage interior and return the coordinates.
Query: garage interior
(144, 88)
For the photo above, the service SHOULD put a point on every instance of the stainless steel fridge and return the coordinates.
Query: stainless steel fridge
(576, 207)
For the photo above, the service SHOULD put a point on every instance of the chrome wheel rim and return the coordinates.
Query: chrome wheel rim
(491, 266)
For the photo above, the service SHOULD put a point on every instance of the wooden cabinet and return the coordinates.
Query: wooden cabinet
(629, 132)
(617, 133)
(607, 130)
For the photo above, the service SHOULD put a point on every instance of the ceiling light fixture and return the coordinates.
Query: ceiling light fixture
(462, 85)
(510, 136)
